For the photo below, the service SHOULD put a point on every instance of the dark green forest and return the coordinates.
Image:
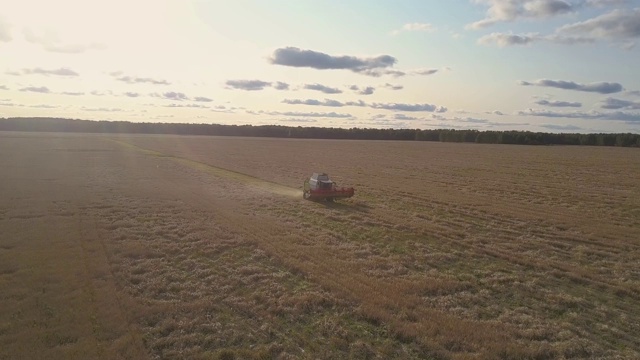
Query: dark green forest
(443, 135)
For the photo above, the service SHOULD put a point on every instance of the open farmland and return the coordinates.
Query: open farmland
(202, 247)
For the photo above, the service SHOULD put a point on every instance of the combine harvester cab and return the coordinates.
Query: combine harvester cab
(320, 187)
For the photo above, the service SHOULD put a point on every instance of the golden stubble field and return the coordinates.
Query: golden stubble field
(202, 247)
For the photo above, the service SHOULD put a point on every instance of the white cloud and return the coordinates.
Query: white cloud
(249, 85)
(171, 95)
(555, 103)
(616, 25)
(302, 114)
(368, 90)
(408, 107)
(322, 88)
(38, 89)
(58, 72)
(137, 80)
(510, 10)
(598, 87)
(628, 117)
(413, 27)
(360, 103)
(372, 66)
(393, 87)
(612, 103)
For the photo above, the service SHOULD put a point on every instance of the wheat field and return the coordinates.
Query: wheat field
(123, 246)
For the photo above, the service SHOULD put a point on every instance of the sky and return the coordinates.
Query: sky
(536, 65)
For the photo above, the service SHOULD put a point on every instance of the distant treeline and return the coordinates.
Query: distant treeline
(444, 135)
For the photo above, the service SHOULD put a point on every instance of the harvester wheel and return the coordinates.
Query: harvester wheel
(306, 194)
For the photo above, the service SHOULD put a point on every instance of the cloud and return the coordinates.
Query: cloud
(547, 8)
(279, 85)
(38, 89)
(101, 93)
(404, 117)
(102, 109)
(137, 80)
(367, 90)
(58, 72)
(4, 87)
(372, 66)
(44, 106)
(611, 103)
(616, 25)
(458, 119)
(360, 103)
(423, 27)
(510, 39)
(362, 91)
(171, 95)
(51, 43)
(248, 85)
(131, 94)
(313, 102)
(70, 93)
(226, 109)
(391, 72)
(202, 99)
(598, 87)
(424, 71)
(186, 106)
(510, 10)
(302, 114)
(561, 127)
(408, 107)
(476, 122)
(558, 103)
(628, 117)
(323, 88)
(620, 26)
(496, 112)
(393, 87)
(602, 3)
(299, 120)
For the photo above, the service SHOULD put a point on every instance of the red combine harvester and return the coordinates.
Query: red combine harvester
(319, 187)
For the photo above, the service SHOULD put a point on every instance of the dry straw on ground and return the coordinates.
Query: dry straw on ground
(202, 247)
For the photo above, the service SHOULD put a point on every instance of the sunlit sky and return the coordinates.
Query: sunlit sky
(539, 65)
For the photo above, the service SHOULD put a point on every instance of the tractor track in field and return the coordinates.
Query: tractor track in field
(242, 178)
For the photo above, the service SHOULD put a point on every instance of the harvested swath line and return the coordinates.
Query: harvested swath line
(236, 176)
